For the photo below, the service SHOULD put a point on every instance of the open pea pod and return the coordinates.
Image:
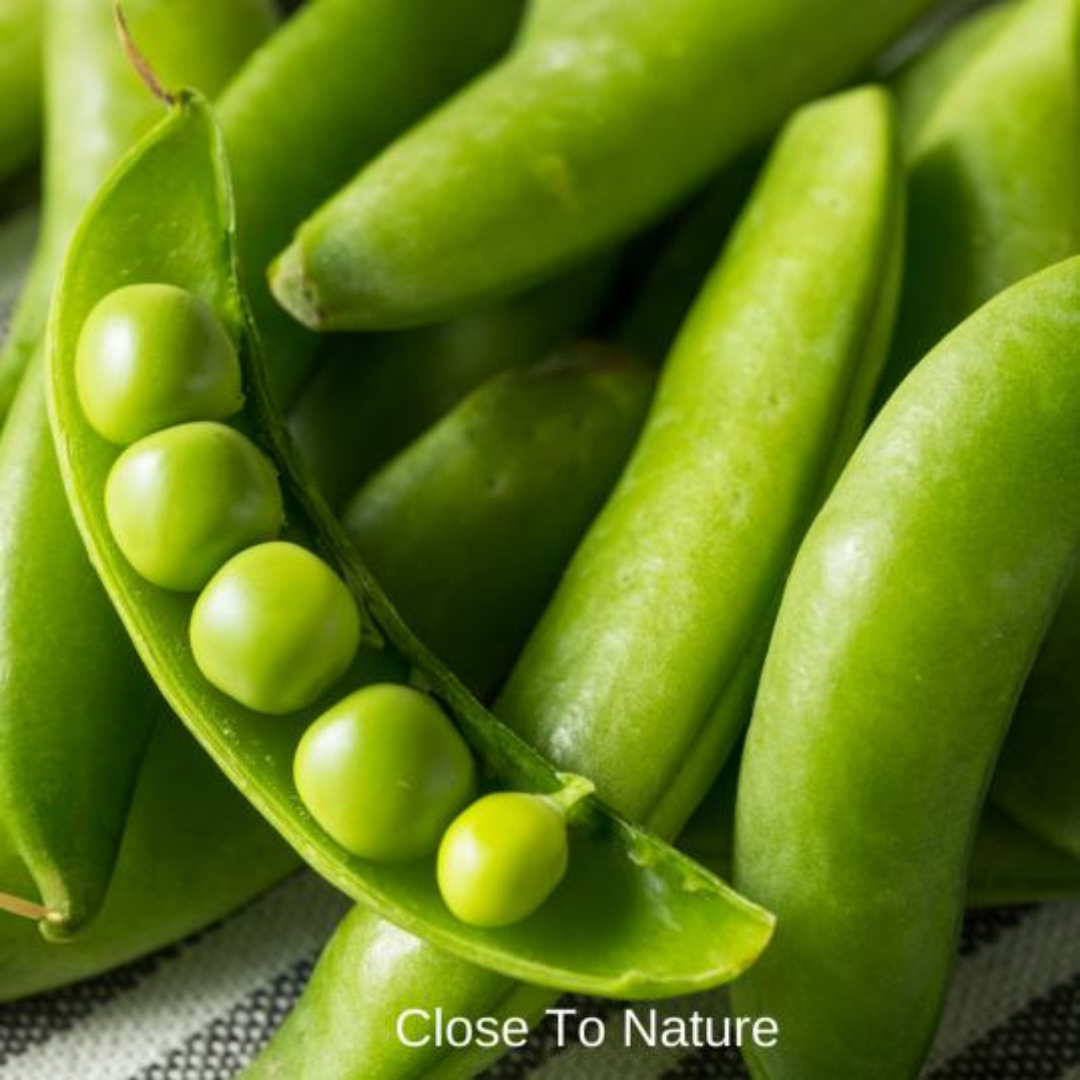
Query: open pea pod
(633, 917)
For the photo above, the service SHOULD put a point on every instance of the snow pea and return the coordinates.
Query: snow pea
(374, 393)
(910, 619)
(20, 84)
(605, 113)
(560, 432)
(658, 936)
(767, 385)
(76, 708)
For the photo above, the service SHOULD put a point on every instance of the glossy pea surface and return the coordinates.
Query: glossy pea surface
(275, 628)
(384, 772)
(153, 355)
(180, 502)
(502, 857)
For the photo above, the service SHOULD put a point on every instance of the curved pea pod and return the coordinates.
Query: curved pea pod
(330, 90)
(603, 114)
(524, 461)
(764, 393)
(657, 937)
(761, 397)
(76, 708)
(909, 622)
(993, 140)
(20, 84)
(374, 393)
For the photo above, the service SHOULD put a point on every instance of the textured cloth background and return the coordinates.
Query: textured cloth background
(202, 1009)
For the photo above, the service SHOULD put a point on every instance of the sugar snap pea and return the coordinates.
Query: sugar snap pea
(883, 704)
(829, 197)
(603, 114)
(658, 938)
(560, 432)
(20, 84)
(76, 708)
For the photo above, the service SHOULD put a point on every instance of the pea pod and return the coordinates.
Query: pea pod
(374, 393)
(191, 841)
(883, 704)
(666, 640)
(20, 84)
(274, 113)
(556, 413)
(653, 943)
(76, 708)
(518, 176)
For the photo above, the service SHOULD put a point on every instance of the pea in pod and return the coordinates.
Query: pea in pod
(604, 114)
(659, 937)
(909, 622)
(76, 708)
(666, 638)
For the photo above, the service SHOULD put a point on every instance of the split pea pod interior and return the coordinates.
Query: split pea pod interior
(662, 935)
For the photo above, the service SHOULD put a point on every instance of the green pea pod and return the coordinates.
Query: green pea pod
(605, 113)
(909, 622)
(76, 708)
(770, 378)
(20, 84)
(375, 393)
(561, 431)
(767, 385)
(191, 841)
(318, 101)
(656, 936)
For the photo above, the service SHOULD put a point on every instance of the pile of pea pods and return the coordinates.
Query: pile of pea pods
(596, 480)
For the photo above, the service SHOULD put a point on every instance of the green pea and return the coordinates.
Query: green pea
(275, 628)
(502, 857)
(175, 531)
(150, 356)
(384, 772)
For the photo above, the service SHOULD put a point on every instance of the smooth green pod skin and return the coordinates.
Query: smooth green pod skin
(275, 628)
(989, 159)
(525, 462)
(384, 771)
(767, 376)
(20, 84)
(323, 97)
(151, 356)
(882, 708)
(516, 178)
(176, 533)
(658, 936)
(502, 857)
(76, 708)
(373, 394)
(830, 197)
